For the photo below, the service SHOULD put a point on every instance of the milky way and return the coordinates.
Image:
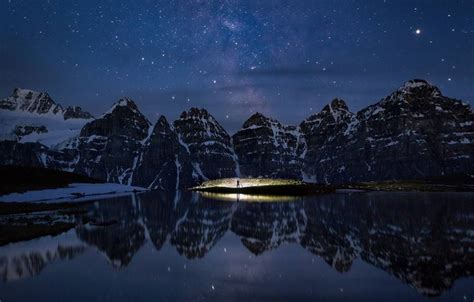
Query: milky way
(285, 59)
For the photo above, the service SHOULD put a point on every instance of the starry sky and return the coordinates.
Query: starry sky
(286, 59)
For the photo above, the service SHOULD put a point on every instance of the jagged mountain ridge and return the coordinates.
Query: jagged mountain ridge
(413, 133)
(30, 116)
(33, 102)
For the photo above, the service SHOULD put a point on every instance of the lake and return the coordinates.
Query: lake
(168, 246)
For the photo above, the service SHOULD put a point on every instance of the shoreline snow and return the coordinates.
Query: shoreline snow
(75, 192)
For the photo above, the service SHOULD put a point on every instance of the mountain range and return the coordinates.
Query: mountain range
(414, 133)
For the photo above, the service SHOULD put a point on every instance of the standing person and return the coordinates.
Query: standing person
(238, 183)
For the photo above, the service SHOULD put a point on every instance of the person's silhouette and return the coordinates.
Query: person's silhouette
(238, 183)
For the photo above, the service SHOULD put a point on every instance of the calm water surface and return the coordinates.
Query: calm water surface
(162, 246)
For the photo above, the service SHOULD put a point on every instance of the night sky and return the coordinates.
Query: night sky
(286, 59)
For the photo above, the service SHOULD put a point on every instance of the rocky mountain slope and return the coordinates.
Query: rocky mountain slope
(324, 133)
(163, 162)
(208, 143)
(266, 147)
(108, 146)
(413, 133)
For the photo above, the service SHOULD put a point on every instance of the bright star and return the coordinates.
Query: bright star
(418, 31)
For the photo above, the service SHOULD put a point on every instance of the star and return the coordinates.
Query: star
(250, 50)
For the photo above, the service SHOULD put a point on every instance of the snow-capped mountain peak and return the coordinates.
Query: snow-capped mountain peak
(21, 93)
(76, 112)
(210, 146)
(31, 116)
(124, 102)
(337, 110)
(255, 120)
(339, 103)
(40, 103)
(334, 113)
(25, 100)
(416, 89)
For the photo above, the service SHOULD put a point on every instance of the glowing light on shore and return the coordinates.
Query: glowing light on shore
(247, 182)
(253, 189)
(236, 197)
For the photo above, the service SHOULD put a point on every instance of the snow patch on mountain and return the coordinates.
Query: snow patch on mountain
(30, 116)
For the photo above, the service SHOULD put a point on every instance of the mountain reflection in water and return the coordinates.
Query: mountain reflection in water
(424, 240)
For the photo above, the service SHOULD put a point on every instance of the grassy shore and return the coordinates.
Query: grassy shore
(296, 187)
(263, 186)
(410, 186)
